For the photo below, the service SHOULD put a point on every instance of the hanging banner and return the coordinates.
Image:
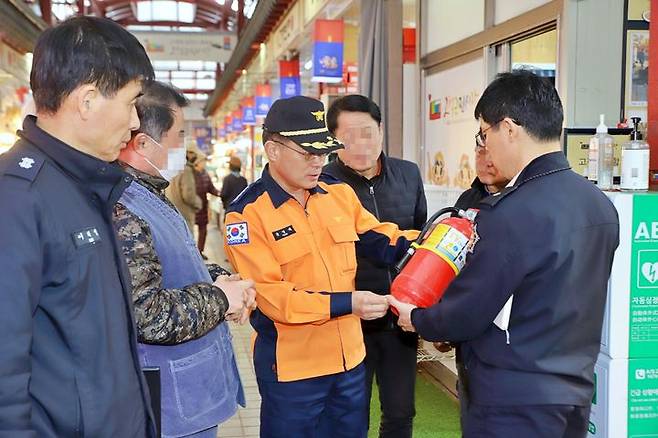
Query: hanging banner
(248, 111)
(291, 85)
(409, 45)
(228, 124)
(328, 51)
(222, 132)
(237, 121)
(203, 136)
(263, 99)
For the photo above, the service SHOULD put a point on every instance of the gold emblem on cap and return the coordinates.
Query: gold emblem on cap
(319, 115)
(321, 145)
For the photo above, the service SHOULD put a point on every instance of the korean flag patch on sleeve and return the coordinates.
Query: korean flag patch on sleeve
(237, 234)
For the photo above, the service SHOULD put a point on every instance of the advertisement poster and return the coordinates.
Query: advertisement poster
(450, 128)
(638, 67)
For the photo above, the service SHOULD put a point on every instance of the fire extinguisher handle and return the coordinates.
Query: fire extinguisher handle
(431, 220)
(405, 258)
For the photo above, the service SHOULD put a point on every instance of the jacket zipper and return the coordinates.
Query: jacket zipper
(371, 189)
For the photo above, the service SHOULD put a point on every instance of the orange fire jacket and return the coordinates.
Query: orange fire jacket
(303, 261)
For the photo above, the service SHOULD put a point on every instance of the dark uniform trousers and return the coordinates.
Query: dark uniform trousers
(391, 355)
(528, 421)
(539, 421)
(295, 409)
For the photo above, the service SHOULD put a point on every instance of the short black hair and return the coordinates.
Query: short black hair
(528, 99)
(273, 136)
(156, 107)
(352, 103)
(85, 50)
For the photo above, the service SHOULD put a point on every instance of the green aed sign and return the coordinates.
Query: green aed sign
(643, 318)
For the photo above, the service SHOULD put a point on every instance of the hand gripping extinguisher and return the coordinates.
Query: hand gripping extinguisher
(431, 263)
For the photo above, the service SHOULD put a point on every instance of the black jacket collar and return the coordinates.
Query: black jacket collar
(543, 165)
(105, 180)
(276, 192)
(350, 174)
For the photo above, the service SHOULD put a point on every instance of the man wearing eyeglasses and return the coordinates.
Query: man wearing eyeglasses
(528, 306)
(297, 234)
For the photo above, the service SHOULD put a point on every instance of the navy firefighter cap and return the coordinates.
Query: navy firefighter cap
(302, 120)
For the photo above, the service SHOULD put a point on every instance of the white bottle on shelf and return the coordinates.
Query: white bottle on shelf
(604, 147)
(635, 161)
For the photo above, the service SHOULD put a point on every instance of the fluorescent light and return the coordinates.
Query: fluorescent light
(165, 10)
(186, 12)
(234, 6)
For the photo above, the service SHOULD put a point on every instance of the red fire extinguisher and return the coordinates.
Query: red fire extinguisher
(432, 263)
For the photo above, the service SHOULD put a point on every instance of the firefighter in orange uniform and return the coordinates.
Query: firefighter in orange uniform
(296, 233)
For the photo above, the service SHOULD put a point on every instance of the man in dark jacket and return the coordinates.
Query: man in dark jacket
(528, 305)
(233, 183)
(204, 187)
(392, 190)
(69, 358)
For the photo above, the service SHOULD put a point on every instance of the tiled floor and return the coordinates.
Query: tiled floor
(246, 422)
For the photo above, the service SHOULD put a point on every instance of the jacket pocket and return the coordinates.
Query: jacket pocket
(199, 382)
(345, 238)
(293, 254)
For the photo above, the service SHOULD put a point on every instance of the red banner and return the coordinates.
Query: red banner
(328, 31)
(408, 45)
(289, 69)
(265, 90)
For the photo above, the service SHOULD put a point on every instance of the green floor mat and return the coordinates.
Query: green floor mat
(437, 415)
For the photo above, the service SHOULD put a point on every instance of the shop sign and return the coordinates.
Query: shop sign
(188, 46)
(643, 318)
(13, 63)
(290, 27)
(328, 51)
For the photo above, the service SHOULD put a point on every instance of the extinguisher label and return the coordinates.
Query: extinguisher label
(449, 244)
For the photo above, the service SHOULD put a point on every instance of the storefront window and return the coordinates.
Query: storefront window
(537, 54)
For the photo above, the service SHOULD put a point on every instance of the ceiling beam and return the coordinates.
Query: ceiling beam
(254, 32)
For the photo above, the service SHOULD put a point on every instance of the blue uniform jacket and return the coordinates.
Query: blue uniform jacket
(69, 364)
(549, 240)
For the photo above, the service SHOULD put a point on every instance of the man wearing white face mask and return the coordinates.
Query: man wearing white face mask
(180, 306)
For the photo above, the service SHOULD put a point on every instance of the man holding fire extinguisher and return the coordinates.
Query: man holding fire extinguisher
(297, 233)
(527, 308)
